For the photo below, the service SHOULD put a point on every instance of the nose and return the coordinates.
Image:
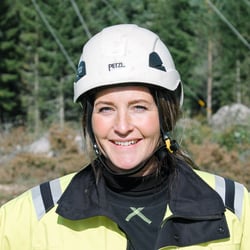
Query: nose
(123, 124)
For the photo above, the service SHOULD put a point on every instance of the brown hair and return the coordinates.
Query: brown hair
(168, 103)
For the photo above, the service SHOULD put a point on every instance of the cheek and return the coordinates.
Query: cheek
(151, 126)
(96, 124)
(99, 126)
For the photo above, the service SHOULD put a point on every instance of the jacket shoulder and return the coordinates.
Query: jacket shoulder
(39, 199)
(46, 195)
(231, 192)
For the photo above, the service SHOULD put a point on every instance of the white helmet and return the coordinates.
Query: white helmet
(125, 53)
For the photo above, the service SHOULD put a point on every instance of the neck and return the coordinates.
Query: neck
(136, 185)
(146, 167)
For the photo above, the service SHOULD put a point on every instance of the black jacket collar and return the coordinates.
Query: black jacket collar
(192, 202)
(192, 197)
(83, 198)
(198, 212)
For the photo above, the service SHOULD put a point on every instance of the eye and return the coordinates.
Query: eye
(104, 109)
(140, 108)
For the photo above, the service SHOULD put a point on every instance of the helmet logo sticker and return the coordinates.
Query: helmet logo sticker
(155, 61)
(113, 66)
(81, 70)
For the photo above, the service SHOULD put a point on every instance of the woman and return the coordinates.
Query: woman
(140, 191)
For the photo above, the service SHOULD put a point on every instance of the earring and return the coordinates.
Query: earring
(96, 149)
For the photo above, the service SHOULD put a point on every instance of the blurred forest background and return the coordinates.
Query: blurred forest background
(41, 42)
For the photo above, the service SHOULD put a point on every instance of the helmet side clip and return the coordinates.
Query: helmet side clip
(171, 145)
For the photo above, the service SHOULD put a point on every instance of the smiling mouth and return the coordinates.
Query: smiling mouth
(125, 143)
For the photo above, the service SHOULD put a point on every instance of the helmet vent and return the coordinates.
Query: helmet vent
(81, 70)
(155, 61)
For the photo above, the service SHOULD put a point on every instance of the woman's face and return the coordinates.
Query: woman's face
(125, 123)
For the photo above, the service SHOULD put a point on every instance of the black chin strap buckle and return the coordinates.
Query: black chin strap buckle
(171, 145)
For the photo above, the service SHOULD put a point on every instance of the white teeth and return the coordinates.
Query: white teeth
(126, 143)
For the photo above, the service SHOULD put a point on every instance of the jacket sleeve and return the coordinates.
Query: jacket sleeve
(16, 220)
(245, 243)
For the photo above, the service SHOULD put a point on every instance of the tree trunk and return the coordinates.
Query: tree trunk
(238, 84)
(36, 96)
(209, 79)
(61, 104)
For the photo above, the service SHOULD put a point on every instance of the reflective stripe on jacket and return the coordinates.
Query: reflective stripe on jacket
(30, 222)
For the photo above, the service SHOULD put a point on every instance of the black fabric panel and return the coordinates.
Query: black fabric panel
(182, 232)
(230, 194)
(46, 196)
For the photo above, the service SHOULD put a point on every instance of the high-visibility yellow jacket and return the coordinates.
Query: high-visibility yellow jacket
(205, 212)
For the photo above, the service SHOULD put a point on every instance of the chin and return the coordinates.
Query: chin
(123, 167)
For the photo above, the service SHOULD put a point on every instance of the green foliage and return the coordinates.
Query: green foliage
(236, 137)
(232, 56)
(192, 131)
(36, 75)
(10, 107)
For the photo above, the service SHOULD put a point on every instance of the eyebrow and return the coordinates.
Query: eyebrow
(103, 103)
(130, 102)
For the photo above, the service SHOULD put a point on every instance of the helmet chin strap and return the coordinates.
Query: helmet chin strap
(105, 162)
(171, 145)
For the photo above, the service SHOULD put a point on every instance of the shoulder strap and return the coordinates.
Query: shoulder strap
(232, 194)
(45, 196)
